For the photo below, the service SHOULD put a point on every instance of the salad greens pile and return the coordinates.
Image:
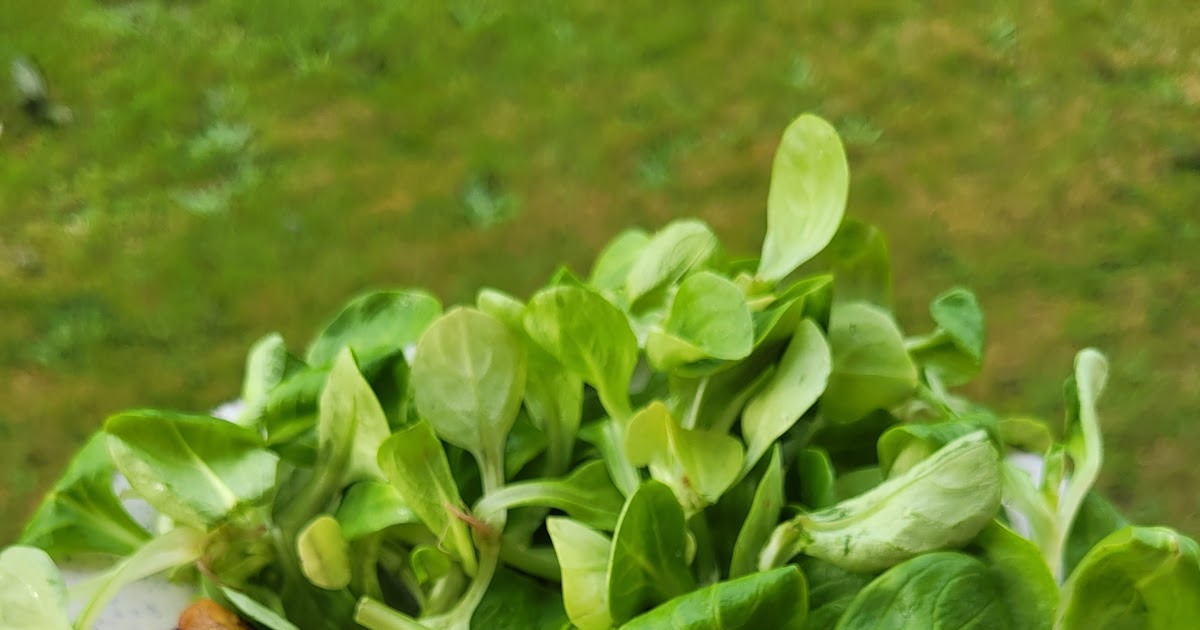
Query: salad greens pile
(679, 440)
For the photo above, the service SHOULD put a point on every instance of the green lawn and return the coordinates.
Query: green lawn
(240, 167)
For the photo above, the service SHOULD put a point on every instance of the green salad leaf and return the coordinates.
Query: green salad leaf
(810, 181)
(680, 439)
(772, 599)
(82, 514)
(194, 469)
(32, 592)
(648, 563)
(375, 324)
(871, 369)
(1138, 577)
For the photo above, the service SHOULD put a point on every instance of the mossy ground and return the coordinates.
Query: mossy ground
(241, 167)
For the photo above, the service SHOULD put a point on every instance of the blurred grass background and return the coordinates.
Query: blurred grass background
(240, 167)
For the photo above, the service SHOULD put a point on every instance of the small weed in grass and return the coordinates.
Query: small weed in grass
(1002, 36)
(79, 323)
(655, 165)
(485, 203)
(859, 131)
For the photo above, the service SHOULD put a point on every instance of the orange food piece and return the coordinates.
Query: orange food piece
(206, 614)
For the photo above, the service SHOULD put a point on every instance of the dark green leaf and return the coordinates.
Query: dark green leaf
(937, 591)
(674, 251)
(523, 445)
(515, 602)
(775, 599)
(957, 311)
(814, 478)
(313, 608)
(81, 514)
(375, 324)
(763, 516)
(954, 352)
(852, 483)
(648, 564)
(830, 592)
(1096, 519)
(715, 402)
(1020, 576)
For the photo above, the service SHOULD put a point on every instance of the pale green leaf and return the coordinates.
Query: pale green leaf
(195, 469)
(583, 554)
(941, 503)
(590, 337)
(708, 319)
(324, 554)
(798, 381)
(32, 593)
(351, 424)
(1138, 577)
(810, 181)
(617, 258)
(414, 462)
(871, 368)
(697, 464)
(468, 378)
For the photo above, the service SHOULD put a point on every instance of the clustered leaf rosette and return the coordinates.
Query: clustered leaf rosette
(678, 440)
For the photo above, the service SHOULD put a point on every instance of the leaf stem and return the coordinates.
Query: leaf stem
(931, 398)
(690, 419)
(785, 543)
(375, 615)
(926, 342)
(612, 447)
(459, 618)
(537, 561)
(180, 546)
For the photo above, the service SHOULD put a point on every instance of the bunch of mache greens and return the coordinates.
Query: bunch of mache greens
(680, 440)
